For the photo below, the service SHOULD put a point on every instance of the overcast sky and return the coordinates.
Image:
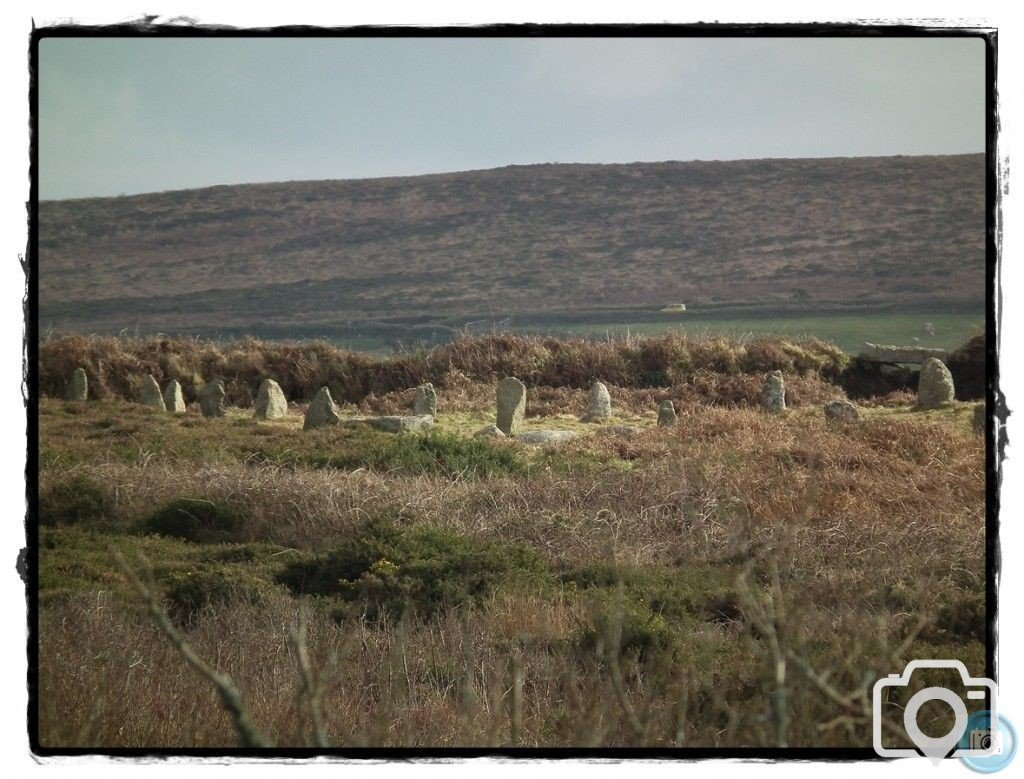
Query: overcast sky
(143, 115)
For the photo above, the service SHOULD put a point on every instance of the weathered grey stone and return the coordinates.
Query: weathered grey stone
(150, 394)
(978, 421)
(900, 354)
(547, 436)
(599, 404)
(391, 424)
(424, 402)
(626, 431)
(773, 396)
(322, 411)
(78, 387)
(174, 401)
(934, 385)
(667, 414)
(270, 401)
(211, 399)
(491, 431)
(841, 411)
(511, 404)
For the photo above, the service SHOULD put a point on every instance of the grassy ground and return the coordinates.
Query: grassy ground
(608, 591)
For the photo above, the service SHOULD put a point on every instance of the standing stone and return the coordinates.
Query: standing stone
(424, 403)
(511, 404)
(773, 396)
(934, 385)
(841, 411)
(270, 401)
(174, 401)
(150, 395)
(978, 420)
(211, 399)
(666, 414)
(600, 405)
(78, 387)
(322, 411)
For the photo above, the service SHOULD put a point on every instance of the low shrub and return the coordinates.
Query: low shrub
(189, 592)
(195, 519)
(74, 500)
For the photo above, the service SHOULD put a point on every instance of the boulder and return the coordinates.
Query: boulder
(511, 404)
(547, 436)
(900, 354)
(490, 431)
(322, 411)
(841, 411)
(392, 424)
(626, 431)
(270, 401)
(211, 399)
(773, 396)
(150, 395)
(600, 403)
(424, 402)
(174, 401)
(934, 385)
(667, 414)
(78, 387)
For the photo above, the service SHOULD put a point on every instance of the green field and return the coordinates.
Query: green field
(848, 331)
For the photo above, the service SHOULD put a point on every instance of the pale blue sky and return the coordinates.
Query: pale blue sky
(122, 115)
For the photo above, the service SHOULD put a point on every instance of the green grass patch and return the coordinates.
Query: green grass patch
(75, 500)
(195, 519)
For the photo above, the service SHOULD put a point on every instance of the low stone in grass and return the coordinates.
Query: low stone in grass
(211, 399)
(150, 394)
(490, 431)
(841, 411)
(773, 396)
(547, 436)
(322, 411)
(78, 387)
(511, 404)
(424, 402)
(270, 401)
(934, 385)
(600, 403)
(667, 414)
(174, 401)
(392, 424)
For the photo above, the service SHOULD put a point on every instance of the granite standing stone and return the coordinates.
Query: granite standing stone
(150, 395)
(773, 396)
(511, 404)
(600, 403)
(78, 387)
(322, 411)
(270, 401)
(211, 399)
(841, 411)
(934, 385)
(174, 401)
(424, 402)
(667, 414)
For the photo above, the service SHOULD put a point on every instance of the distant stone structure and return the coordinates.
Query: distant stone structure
(424, 402)
(322, 411)
(773, 396)
(900, 354)
(78, 387)
(978, 420)
(600, 403)
(174, 401)
(667, 414)
(511, 404)
(841, 411)
(270, 401)
(151, 395)
(934, 385)
(211, 399)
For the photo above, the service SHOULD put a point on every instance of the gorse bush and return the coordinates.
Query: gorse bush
(195, 519)
(189, 592)
(74, 500)
(389, 569)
